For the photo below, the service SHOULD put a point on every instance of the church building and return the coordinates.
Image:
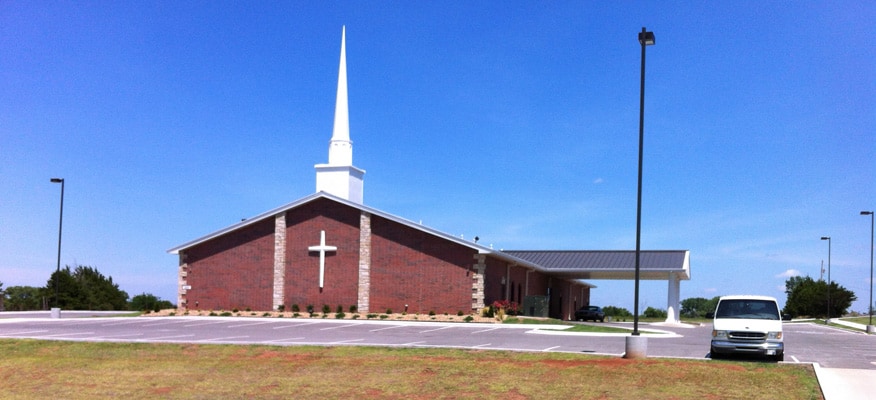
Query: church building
(329, 248)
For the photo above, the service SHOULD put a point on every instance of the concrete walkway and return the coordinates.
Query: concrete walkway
(846, 384)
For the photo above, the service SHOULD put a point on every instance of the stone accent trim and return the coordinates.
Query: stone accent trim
(279, 260)
(477, 284)
(182, 282)
(364, 292)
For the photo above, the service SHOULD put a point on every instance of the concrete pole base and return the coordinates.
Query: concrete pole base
(871, 329)
(636, 347)
(56, 313)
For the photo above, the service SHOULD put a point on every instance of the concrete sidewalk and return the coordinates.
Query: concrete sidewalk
(846, 384)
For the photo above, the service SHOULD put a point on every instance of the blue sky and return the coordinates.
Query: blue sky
(515, 121)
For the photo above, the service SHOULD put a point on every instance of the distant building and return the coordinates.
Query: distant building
(330, 249)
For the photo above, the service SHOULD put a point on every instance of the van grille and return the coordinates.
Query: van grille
(748, 336)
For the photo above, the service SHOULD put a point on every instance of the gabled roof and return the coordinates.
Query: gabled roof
(575, 264)
(361, 207)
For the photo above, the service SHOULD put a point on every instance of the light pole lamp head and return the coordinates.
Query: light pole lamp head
(57, 180)
(825, 238)
(866, 212)
(646, 38)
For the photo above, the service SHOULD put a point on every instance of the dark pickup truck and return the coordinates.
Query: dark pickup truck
(590, 312)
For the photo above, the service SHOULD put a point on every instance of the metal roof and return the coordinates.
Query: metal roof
(607, 264)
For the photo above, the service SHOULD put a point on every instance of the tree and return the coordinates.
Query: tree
(23, 298)
(698, 307)
(617, 312)
(652, 312)
(85, 288)
(809, 297)
(148, 301)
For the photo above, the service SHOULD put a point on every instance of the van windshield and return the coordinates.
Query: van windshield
(748, 309)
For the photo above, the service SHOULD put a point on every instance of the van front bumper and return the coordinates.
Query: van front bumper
(765, 348)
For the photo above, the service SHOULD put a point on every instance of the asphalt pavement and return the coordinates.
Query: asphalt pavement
(844, 362)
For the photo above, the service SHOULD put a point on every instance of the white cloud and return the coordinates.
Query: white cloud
(789, 273)
(598, 181)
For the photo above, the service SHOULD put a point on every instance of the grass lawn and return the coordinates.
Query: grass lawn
(78, 370)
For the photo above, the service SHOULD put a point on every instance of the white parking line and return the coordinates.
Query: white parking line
(284, 340)
(21, 333)
(205, 323)
(438, 329)
(222, 338)
(338, 327)
(485, 330)
(70, 334)
(481, 345)
(551, 348)
(411, 344)
(167, 337)
(150, 324)
(128, 322)
(795, 359)
(119, 336)
(388, 327)
(296, 325)
(250, 324)
(347, 341)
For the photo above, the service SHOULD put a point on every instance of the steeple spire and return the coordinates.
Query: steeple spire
(339, 177)
(340, 146)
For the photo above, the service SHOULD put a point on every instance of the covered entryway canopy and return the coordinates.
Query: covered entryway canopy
(670, 265)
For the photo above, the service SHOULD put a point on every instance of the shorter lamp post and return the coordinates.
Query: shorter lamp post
(870, 328)
(828, 275)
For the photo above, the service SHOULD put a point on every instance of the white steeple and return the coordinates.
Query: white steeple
(340, 147)
(339, 177)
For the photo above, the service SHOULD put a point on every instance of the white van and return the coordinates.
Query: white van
(748, 325)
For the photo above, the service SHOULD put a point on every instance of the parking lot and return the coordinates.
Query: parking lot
(830, 347)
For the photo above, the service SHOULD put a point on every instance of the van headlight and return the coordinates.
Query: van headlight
(719, 334)
(774, 335)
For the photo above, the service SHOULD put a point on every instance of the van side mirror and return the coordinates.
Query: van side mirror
(786, 317)
(710, 315)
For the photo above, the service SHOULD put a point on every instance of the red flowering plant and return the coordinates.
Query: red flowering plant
(507, 307)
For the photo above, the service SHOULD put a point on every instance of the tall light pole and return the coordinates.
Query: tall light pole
(645, 39)
(828, 275)
(636, 345)
(870, 328)
(60, 226)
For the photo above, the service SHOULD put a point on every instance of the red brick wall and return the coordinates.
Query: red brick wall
(341, 226)
(425, 272)
(234, 270)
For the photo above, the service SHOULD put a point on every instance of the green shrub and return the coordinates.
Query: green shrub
(353, 309)
(225, 314)
(355, 316)
(340, 315)
(370, 316)
(431, 313)
(389, 311)
(267, 314)
(296, 315)
(281, 308)
(459, 313)
(295, 308)
(326, 309)
(384, 316)
(468, 318)
(234, 310)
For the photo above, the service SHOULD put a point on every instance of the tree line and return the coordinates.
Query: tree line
(806, 298)
(80, 288)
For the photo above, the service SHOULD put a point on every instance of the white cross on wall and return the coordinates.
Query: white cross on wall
(322, 248)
